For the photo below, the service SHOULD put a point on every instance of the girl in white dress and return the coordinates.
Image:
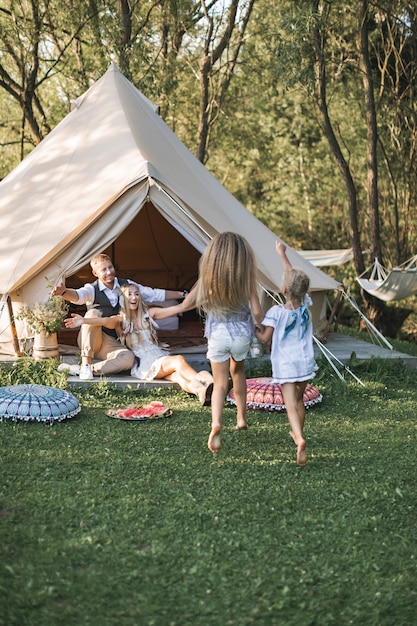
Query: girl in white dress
(136, 328)
(292, 352)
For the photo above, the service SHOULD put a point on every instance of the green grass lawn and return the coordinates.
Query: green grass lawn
(108, 523)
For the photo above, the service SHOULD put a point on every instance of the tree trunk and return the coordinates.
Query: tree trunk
(125, 41)
(215, 45)
(320, 77)
(371, 125)
(203, 122)
(375, 308)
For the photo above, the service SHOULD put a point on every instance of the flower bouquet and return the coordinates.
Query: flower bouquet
(44, 317)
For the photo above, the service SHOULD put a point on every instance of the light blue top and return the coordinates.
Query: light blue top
(238, 324)
(292, 351)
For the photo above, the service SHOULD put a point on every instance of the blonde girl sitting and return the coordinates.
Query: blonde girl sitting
(136, 328)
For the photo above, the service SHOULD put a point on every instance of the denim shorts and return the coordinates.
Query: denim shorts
(222, 345)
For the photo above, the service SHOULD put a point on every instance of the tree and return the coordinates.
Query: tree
(315, 37)
(154, 43)
(19, 76)
(319, 34)
(394, 49)
(371, 124)
(219, 47)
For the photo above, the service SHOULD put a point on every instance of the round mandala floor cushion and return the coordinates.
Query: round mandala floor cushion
(263, 395)
(37, 403)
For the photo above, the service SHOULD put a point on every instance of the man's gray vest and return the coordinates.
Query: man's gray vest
(102, 303)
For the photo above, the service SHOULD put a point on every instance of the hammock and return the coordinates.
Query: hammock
(397, 284)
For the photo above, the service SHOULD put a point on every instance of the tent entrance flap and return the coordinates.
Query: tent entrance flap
(150, 251)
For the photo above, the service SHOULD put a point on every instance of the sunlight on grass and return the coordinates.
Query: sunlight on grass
(106, 523)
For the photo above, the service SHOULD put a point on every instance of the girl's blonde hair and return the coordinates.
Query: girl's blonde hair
(227, 274)
(143, 321)
(296, 283)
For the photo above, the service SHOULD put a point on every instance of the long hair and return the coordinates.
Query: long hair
(131, 324)
(227, 274)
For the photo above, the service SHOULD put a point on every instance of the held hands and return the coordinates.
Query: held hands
(75, 321)
(259, 328)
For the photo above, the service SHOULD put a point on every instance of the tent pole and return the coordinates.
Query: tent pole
(337, 306)
(15, 338)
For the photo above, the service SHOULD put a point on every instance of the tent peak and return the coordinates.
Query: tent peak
(113, 67)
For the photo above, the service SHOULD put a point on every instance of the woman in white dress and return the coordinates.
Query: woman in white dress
(136, 328)
(292, 352)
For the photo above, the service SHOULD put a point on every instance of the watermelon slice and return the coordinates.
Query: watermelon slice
(152, 410)
(159, 409)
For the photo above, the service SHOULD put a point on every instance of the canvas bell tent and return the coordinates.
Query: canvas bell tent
(113, 177)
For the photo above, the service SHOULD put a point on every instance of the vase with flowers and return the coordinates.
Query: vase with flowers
(44, 319)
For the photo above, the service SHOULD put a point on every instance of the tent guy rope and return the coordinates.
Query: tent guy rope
(330, 357)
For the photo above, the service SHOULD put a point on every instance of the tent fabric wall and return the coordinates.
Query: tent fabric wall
(325, 258)
(87, 181)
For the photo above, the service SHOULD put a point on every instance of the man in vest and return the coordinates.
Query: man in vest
(102, 298)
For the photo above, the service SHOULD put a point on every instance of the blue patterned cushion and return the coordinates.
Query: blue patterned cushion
(37, 403)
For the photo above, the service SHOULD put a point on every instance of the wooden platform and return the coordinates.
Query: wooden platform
(341, 346)
(190, 342)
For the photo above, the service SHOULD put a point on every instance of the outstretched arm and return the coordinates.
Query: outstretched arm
(171, 294)
(65, 292)
(160, 313)
(281, 249)
(190, 300)
(75, 321)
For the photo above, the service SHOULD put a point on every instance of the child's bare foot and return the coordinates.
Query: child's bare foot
(301, 453)
(214, 439)
(241, 424)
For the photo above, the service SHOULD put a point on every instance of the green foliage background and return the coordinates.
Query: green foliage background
(265, 141)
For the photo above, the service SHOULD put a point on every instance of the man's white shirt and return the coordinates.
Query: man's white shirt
(86, 293)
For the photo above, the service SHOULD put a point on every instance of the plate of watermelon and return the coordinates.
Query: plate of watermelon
(135, 413)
